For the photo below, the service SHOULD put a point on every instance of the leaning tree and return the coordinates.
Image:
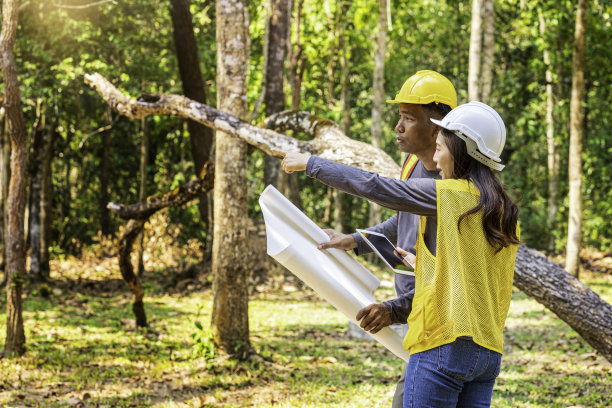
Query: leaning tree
(535, 275)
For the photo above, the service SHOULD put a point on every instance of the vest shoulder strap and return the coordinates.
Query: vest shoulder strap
(409, 165)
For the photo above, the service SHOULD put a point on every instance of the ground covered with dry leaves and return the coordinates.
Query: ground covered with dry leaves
(85, 351)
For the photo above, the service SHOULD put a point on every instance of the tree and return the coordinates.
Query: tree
(37, 154)
(104, 175)
(535, 274)
(5, 161)
(193, 87)
(142, 195)
(276, 51)
(482, 50)
(16, 265)
(288, 184)
(46, 206)
(574, 232)
(379, 93)
(230, 323)
(475, 50)
(552, 150)
(488, 45)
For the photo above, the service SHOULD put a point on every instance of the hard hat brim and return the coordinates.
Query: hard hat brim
(417, 100)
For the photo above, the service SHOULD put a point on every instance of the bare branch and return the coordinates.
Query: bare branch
(175, 198)
(274, 144)
(328, 139)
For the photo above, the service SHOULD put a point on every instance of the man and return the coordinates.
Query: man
(425, 95)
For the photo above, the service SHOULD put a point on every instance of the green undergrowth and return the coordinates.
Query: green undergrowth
(83, 350)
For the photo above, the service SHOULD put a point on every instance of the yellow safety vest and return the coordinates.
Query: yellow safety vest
(465, 289)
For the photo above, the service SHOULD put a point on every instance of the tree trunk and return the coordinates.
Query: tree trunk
(193, 86)
(274, 94)
(297, 61)
(104, 175)
(567, 297)
(379, 94)
(289, 184)
(329, 142)
(574, 232)
(552, 151)
(338, 210)
(46, 205)
(230, 323)
(488, 45)
(475, 50)
(35, 172)
(144, 154)
(132, 230)
(15, 336)
(5, 149)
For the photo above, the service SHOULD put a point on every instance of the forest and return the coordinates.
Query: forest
(136, 138)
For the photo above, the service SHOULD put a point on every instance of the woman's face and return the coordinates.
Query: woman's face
(442, 157)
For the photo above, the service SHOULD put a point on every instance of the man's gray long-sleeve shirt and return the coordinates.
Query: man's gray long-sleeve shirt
(411, 199)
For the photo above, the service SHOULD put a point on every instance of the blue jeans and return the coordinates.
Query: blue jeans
(459, 374)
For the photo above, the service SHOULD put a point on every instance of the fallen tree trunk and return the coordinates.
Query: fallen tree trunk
(535, 274)
(564, 295)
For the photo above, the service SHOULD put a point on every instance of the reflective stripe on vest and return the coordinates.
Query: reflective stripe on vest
(407, 169)
(409, 165)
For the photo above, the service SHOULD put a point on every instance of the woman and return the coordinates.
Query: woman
(466, 249)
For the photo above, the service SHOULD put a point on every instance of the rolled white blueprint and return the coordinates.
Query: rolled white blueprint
(292, 240)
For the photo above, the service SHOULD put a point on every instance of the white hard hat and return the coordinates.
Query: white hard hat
(482, 129)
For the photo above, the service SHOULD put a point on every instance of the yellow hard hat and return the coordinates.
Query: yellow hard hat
(426, 87)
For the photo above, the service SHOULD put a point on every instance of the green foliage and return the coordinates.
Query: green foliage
(204, 345)
(131, 44)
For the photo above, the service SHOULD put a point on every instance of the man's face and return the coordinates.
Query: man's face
(415, 132)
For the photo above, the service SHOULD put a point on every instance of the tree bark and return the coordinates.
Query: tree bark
(15, 336)
(574, 232)
(274, 94)
(379, 94)
(193, 87)
(297, 61)
(488, 53)
(104, 175)
(230, 323)
(475, 50)
(5, 160)
(46, 206)
(329, 142)
(142, 194)
(567, 297)
(35, 172)
(132, 230)
(288, 184)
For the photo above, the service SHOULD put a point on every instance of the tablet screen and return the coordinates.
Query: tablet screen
(385, 250)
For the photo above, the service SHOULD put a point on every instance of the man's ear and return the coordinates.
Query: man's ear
(434, 130)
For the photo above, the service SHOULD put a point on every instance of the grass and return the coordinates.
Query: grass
(83, 350)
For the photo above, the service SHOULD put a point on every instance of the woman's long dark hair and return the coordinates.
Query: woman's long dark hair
(500, 212)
